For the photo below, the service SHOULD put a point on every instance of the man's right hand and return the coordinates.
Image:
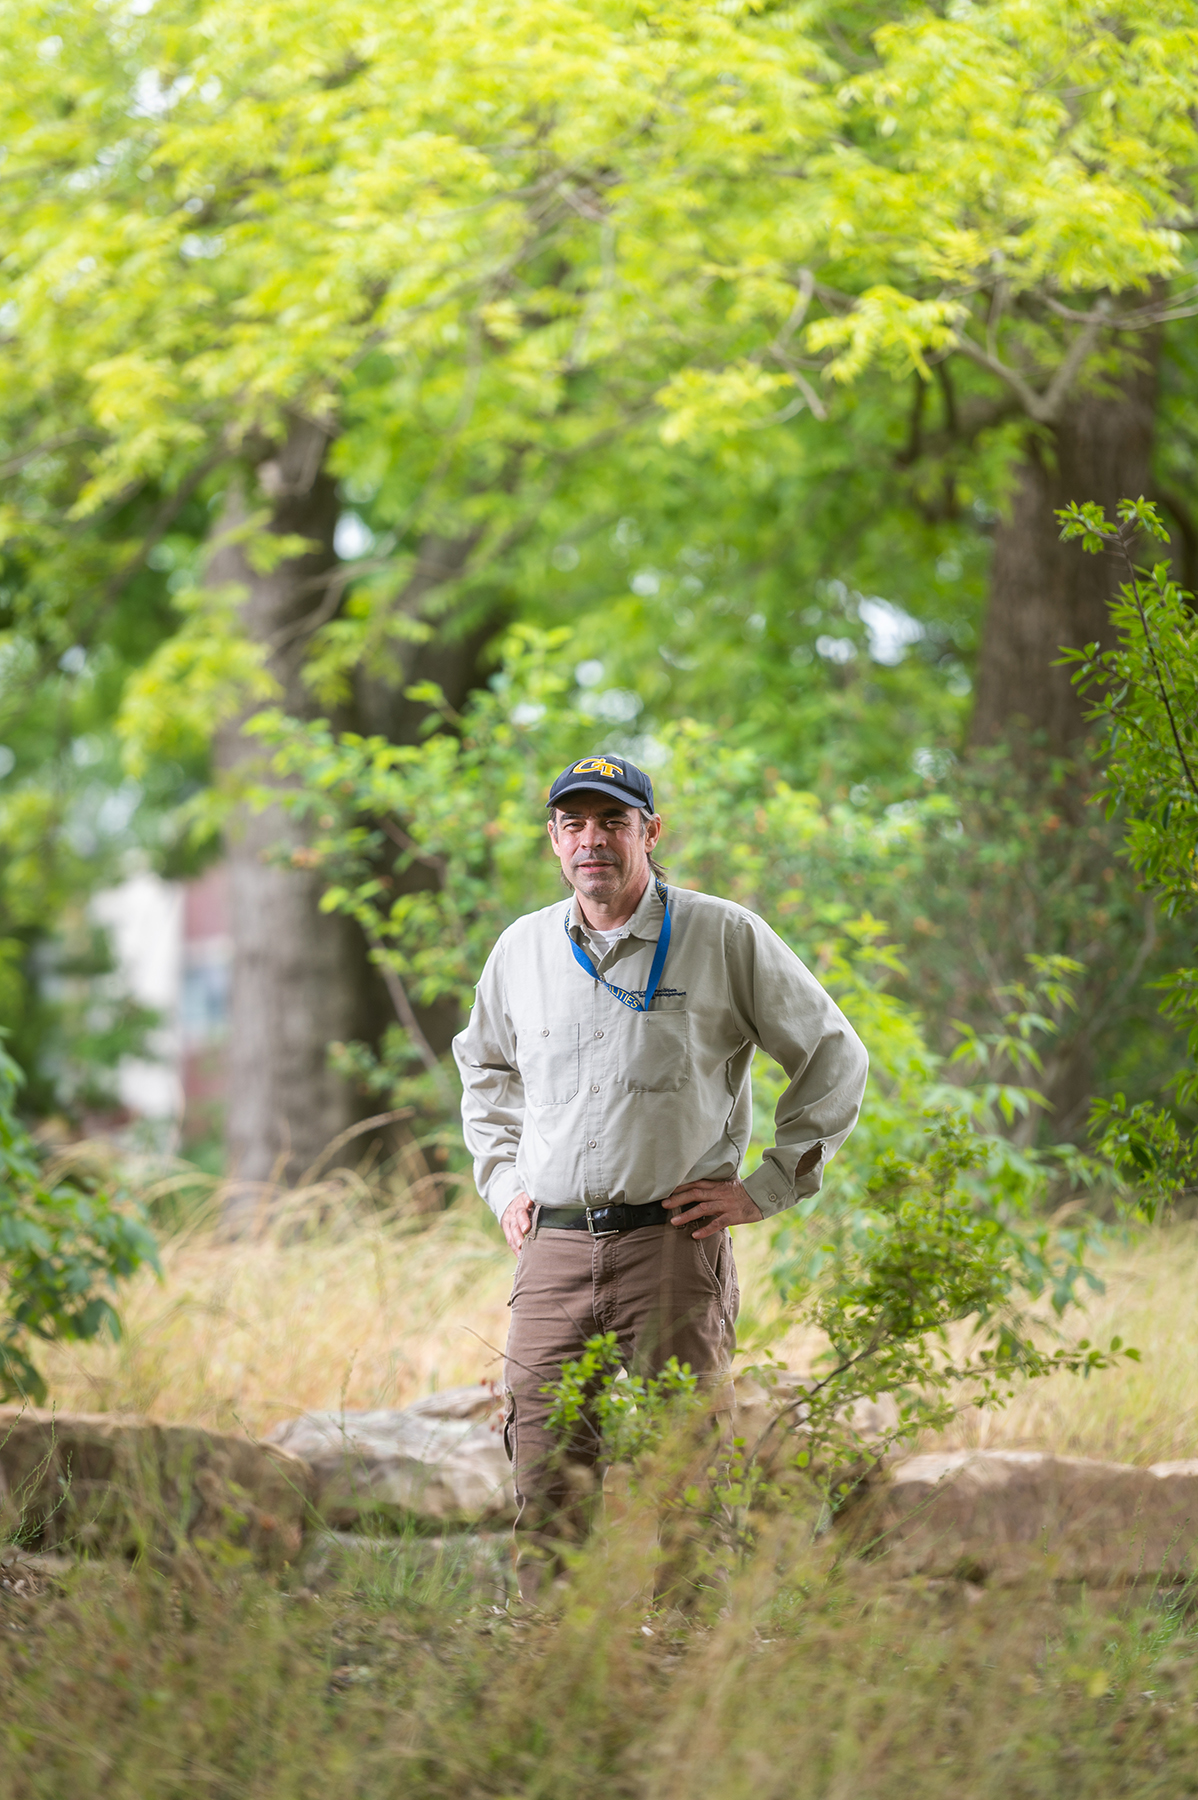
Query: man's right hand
(517, 1222)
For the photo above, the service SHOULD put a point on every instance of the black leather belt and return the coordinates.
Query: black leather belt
(601, 1221)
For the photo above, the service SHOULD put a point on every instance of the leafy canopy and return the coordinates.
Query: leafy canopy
(495, 248)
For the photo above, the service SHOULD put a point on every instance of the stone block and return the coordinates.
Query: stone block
(440, 1461)
(113, 1485)
(1002, 1515)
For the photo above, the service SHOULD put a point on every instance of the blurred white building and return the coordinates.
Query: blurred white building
(174, 953)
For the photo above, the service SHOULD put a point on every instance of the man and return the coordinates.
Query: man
(606, 1101)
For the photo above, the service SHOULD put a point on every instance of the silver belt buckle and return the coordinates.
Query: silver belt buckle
(614, 1232)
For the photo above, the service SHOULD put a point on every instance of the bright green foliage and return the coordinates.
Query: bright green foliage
(989, 166)
(1145, 698)
(62, 1244)
(928, 1252)
(511, 254)
(1035, 1016)
(925, 1253)
(995, 866)
(629, 1415)
(467, 238)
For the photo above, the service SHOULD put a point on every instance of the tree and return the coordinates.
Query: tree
(602, 243)
(999, 220)
(1054, 236)
(234, 281)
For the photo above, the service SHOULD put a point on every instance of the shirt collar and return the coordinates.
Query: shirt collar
(644, 923)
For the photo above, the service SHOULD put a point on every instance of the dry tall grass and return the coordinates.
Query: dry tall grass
(1140, 1412)
(798, 1674)
(796, 1678)
(328, 1301)
(333, 1301)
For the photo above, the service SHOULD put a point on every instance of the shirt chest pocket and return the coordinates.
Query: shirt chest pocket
(548, 1059)
(653, 1055)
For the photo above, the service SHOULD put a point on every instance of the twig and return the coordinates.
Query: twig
(161, 523)
(407, 1018)
(400, 838)
(1043, 408)
(62, 442)
(1125, 552)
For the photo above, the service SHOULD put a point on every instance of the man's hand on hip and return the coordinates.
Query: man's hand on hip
(715, 1204)
(517, 1222)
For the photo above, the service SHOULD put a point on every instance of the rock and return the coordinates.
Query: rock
(440, 1461)
(1003, 1514)
(112, 1485)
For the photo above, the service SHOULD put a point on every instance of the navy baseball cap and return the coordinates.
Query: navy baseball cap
(613, 775)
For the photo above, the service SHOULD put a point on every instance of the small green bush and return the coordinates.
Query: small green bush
(64, 1243)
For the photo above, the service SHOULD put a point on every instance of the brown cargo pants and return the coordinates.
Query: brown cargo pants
(663, 1292)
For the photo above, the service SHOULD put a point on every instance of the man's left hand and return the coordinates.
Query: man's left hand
(716, 1204)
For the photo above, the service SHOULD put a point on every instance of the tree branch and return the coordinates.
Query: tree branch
(1044, 408)
(406, 1016)
(165, 517)
(62, 442)
(1141, 318)
(1162, 691)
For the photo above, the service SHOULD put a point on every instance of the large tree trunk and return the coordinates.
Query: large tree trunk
(1045, 594)
(301, 979)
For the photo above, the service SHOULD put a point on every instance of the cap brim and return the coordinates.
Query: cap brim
(586, 784)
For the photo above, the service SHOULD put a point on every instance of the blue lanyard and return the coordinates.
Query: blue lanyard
(659, 961)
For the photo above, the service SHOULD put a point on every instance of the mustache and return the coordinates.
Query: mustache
(594, 856)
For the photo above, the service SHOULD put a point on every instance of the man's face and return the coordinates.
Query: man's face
(603, 847)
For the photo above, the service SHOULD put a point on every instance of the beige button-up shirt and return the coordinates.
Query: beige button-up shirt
(576, 1099)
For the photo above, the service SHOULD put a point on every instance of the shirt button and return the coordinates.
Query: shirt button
(594, 1087)
(598, 1034)
(594, 1144)
(545, 1031)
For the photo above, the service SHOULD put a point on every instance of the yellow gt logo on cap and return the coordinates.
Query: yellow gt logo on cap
(594, 765)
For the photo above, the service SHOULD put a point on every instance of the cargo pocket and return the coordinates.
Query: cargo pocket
(708, 1252)
(720, 1266)
(509, 1424)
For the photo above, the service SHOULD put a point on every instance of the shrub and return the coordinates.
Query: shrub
(64, 1244)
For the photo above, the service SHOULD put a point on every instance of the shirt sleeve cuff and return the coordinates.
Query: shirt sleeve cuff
(768, 1191)
(502, 1189)
(773, 1192)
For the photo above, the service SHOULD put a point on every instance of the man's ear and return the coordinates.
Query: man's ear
(652, 831)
